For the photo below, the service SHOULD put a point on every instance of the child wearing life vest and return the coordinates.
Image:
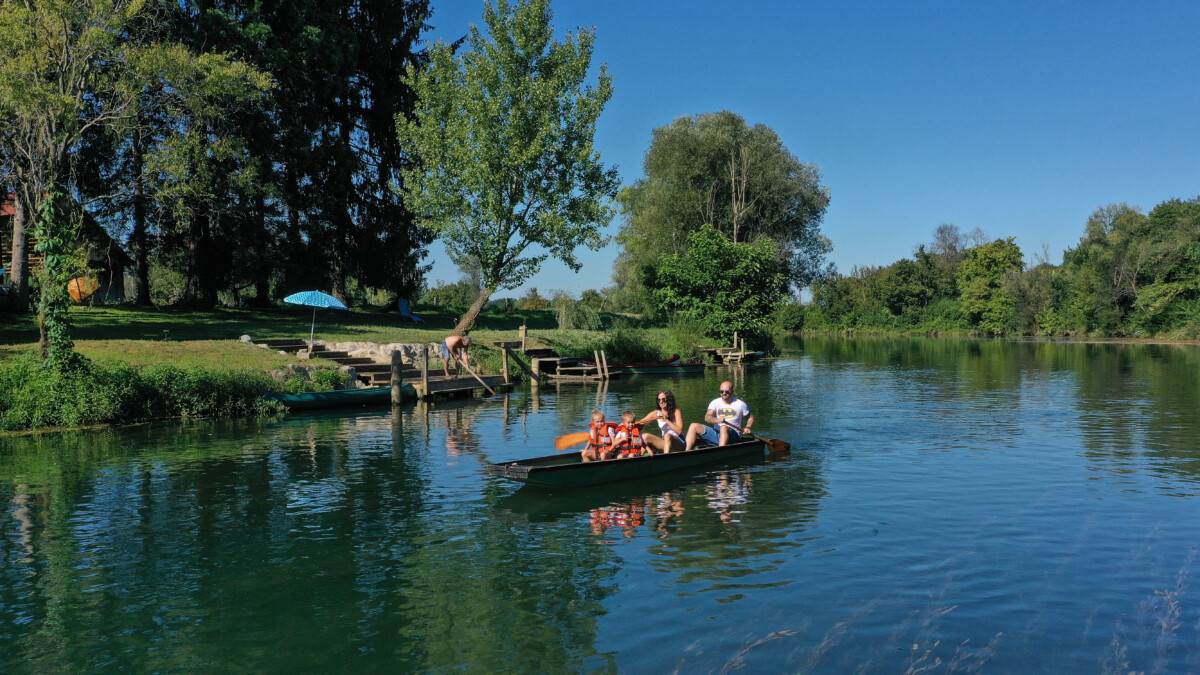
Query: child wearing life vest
(600, 439)
(628, 437)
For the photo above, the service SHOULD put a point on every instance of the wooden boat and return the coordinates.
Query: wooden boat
(341, 398)
(569, 471)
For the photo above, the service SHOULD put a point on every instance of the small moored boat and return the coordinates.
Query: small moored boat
(341, 398)
(570, 471)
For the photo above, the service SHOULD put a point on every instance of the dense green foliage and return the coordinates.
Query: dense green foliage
(55, 241)
(715, 169)
(243, 149)
(987, 302)
(631, 345)
(35, 395)
(721, 286)
(1132, 274)
(504, 132)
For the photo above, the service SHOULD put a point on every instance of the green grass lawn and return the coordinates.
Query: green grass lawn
(151, 336)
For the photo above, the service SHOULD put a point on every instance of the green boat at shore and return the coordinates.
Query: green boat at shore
(342, 398)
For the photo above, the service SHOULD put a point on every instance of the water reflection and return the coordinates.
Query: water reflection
(1023, 506)
(313, 533)
(1131, 402)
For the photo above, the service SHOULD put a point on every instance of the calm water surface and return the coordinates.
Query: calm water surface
(949, 506)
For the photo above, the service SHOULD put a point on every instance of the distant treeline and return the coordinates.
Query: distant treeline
(1132, 274)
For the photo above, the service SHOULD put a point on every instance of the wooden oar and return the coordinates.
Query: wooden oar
(567, 440)
(479, 379)
(774, 445)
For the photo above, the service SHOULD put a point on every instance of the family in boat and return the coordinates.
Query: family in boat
(726, 420)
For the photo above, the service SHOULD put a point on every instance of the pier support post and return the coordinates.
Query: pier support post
(425, 370)
(524, 333)
(397, 366)
(504, 364)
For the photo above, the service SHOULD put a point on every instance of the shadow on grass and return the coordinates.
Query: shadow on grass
(152, 323)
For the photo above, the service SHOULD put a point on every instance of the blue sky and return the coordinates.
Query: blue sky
(1019, 118)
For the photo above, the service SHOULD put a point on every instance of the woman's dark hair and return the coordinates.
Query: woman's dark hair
(670, 400)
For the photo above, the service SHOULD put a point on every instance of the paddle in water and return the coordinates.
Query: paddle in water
(774, 445)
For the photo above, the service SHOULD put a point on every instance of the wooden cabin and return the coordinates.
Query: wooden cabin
(107, 262)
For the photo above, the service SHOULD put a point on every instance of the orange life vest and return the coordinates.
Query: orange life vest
(600, 434)
(631, 443)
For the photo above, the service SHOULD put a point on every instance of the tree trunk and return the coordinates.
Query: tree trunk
(19, 267)
(464, 324)
(141, 247)
(262, 271)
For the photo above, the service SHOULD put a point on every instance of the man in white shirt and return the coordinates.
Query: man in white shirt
(729, 416)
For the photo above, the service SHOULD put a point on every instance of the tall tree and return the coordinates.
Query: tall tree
(721, 285)
(504, 132)
(63, 72)
(741, 179)
(326, 146)
(987, 299)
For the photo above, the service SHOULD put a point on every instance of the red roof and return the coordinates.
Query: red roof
(8, 207)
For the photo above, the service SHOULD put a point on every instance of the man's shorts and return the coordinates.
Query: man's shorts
(713, 434)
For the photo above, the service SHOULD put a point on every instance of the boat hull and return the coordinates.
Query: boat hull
(342, 398)
(568, 471)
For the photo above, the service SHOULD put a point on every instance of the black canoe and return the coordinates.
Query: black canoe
(569, 471)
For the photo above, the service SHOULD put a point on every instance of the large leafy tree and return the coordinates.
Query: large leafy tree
(741, 179)
(309, 198)
(987, 299)
(509, 175)
(72, 72)
(721, 285)
(1135, 271)
(62, 74)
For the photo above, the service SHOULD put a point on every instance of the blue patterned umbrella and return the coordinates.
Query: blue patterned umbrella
(314, 299)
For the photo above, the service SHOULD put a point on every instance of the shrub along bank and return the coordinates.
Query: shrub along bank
(83, 392)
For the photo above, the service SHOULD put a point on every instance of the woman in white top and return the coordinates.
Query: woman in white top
(670, 424)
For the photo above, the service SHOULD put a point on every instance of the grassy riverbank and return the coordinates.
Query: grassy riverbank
(146, 363)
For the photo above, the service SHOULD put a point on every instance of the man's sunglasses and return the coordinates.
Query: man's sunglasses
(726, 391)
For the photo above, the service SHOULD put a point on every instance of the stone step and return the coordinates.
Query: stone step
(323, 354)
(540, 353)
(351, 361)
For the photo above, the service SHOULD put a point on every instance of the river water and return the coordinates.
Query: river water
(948, 506)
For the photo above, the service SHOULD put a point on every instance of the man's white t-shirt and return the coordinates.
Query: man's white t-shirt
(735, 411)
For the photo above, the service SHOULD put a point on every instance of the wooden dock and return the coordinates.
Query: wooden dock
(735, 354)
(442, 387)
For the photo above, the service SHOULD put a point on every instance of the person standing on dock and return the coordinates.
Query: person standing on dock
(729, 416)
(454, 348)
